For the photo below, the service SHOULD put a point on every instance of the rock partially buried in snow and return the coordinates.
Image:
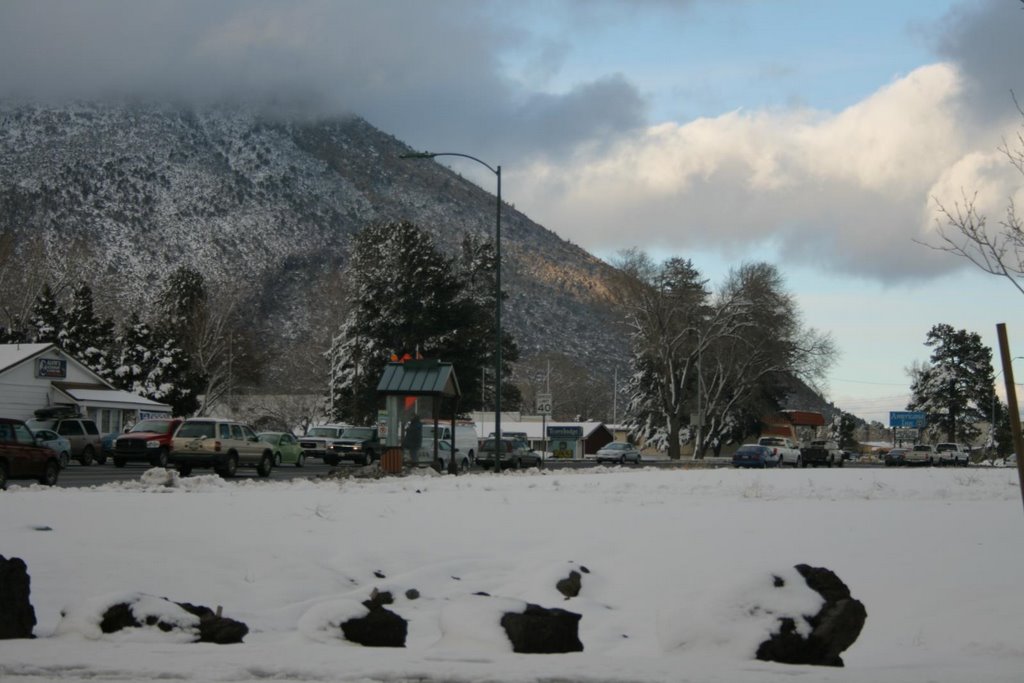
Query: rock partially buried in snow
(541, 630)
(183, 621)
(17, 616)
(833, 629)
(379, 628)
(571, 585)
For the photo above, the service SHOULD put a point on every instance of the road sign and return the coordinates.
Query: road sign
(907, 419)
(543, 404)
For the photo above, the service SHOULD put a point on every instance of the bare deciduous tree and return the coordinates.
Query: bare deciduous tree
(964, 231)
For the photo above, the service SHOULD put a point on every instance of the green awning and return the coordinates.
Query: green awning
(419, 378)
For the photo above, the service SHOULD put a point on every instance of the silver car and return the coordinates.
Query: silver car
(620, 452)
(224, 445)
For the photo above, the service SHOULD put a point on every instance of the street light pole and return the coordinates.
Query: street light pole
(496, 170)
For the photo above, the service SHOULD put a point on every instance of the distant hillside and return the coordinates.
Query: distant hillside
(131, 192)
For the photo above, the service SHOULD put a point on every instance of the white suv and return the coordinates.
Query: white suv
(224, 445)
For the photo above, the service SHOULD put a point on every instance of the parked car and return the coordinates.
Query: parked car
(148, 441)
(465, 440)
(223, 445)
(755, 455)
(56, 443)
(445, 453)
(360, 445)
(314, 443)
(920, 454)
(821, 452)
(784, 450)
(22, 456)
(618, 451)
(895, 457)
(286, 448)
(952, 454)
(86, 444)
(507, 452)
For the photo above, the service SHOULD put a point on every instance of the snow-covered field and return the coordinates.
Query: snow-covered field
(677, 561)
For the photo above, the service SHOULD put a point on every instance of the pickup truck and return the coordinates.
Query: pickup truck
(952, 454)
(359, 445)
(821, 452)
(785, 450)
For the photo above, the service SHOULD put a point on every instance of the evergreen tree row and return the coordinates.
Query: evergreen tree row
(150, 360)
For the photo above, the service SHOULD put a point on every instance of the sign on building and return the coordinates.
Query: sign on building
(564, 440)
(51, 368)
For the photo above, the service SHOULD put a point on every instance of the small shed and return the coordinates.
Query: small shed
(418, 387)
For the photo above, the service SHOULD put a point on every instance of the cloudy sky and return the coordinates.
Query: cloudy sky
(815, 134)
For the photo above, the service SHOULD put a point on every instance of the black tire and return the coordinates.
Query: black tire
(184, 470)
(301, 460)
(464, 465)
(265, 466)
(230, 467)
(50, 474)
(86, 457)
(119, 462)
(370, 457)
(3, 477)
(161, 458)
(278, 459)
(622, 460)
(64, 459)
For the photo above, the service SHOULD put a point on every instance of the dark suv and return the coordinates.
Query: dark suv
(148, 441)
(85, 439)
(22, 457)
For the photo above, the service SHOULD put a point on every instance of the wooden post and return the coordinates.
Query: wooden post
(1011, 402)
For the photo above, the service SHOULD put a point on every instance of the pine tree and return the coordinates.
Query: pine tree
(47, 318)
(406, 297)
(87, 337)
(955, 389)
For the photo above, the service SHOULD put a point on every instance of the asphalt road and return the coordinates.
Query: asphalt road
(78, 475)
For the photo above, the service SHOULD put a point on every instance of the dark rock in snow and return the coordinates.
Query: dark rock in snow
(570, 586)
(213, 628)
(541, 630)
(833, 629)
(17, 617)
(379, 628)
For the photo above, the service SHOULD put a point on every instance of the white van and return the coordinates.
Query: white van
(465, 441)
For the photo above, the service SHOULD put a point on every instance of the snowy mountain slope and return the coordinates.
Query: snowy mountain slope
(126, 193)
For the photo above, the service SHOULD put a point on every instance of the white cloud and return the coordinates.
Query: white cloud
(850, 191)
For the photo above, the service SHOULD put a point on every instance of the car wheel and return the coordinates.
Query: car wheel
(278, 459)
(50, 474)
(301, 460)
(464, 465)
(118, 462)
(86, 457)
(265, 466)
(3, 477)
(184, 470)
(161, 459)
(64, 459)
(622, 460)
(230, 467)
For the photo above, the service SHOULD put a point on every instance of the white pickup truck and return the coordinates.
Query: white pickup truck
(785, 450)
(952, 454)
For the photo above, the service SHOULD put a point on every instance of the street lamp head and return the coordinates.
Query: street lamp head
(417, 155)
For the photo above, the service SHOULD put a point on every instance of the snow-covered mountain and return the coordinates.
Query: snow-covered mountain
(136, 190)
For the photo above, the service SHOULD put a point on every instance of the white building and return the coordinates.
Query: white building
(34, 376)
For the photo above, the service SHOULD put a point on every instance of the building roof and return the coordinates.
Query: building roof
(419, 378)
(15, 354)
(97, 393)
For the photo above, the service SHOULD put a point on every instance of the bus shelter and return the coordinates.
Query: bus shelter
(426, 389)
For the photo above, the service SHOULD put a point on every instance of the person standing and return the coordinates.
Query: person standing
(413, 439)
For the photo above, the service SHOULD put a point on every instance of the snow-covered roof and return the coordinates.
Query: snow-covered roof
(14, 354)
(113, 398)
(535, 430)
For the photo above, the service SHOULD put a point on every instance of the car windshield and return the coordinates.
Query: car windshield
(158, 426)
(323, 431)
(616, 447)
(197, 430)
(360, 433)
